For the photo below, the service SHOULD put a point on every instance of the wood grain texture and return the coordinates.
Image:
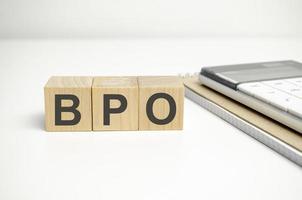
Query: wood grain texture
(126, 86)
(149, 86)
(78, 86)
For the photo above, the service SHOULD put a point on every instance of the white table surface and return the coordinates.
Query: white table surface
(209, 159)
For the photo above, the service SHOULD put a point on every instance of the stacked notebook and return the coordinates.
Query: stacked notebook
(273, 134)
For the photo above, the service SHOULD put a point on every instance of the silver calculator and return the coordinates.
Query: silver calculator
(271, 88)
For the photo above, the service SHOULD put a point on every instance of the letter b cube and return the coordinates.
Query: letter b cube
(68, 104)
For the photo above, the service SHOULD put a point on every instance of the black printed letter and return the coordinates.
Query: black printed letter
(149, 108)
(59, 109)
(108, 110)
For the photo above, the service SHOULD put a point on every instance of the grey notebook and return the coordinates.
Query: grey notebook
(280, 138)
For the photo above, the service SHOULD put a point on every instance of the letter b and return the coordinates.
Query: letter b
(72, 109)
(68, 104)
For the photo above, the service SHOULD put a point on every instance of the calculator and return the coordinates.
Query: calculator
(271, 88)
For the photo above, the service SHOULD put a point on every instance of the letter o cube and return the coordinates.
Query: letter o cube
(161, 103)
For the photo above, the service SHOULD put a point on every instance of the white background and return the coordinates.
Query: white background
(149, 18)
(208, 159)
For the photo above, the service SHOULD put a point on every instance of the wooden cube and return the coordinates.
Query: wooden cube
(161, 103)
(115, 103)
(68, 104)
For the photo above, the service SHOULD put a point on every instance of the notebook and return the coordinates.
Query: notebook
(278, 137)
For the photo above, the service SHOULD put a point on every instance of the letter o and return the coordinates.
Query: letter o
(149, 108)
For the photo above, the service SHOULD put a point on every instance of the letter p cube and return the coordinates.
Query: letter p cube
(115, 103)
